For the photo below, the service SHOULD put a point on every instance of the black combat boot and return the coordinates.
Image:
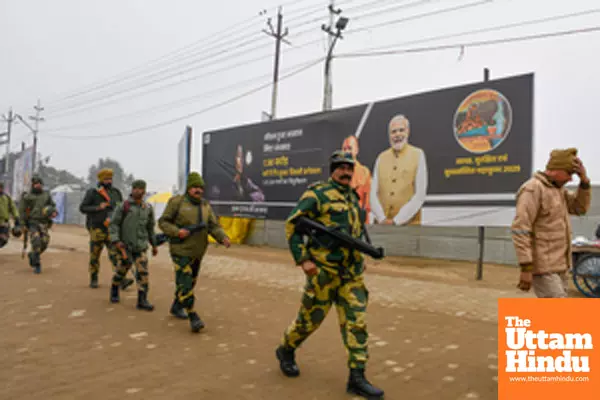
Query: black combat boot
(177, 311)
(359, 385)
(114, 293)
(195, 322)
(287, 361)
(143, 303)
(94, 281)
(34, 263)
(125, 283)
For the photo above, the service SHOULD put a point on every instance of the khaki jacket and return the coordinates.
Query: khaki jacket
(541, 229)
(182, 212)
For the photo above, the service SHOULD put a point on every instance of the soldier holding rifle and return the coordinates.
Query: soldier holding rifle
(131, 230)
(98, 205)
(8, 210)
(188, 220)
(334, 272)
(38, 210)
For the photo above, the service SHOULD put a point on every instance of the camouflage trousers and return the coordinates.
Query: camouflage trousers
(99, 238)
(40, 239)
(140, 260)
(350, 296)
(4, 234)
(186, 275)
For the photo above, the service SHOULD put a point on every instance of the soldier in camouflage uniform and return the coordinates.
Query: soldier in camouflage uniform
(187, 248)
(332, 276)
(8, 210)
(38, 210)
(131, 229)
(98, 204)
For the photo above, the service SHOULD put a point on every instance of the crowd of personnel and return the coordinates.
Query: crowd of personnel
(334, 272)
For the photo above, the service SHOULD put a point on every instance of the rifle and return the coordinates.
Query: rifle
(102, 191)
(192, 229)
(25, 240)
(311, 228)
(26, 234)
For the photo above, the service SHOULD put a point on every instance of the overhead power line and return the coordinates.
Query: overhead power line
(169, 105)
(471, 44)
(419, 16)
(106, 100)
(489, 29)
(74, 108)
(202, 111)
(162, 58)
(234, 33)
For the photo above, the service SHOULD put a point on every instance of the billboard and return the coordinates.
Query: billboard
(454, 156)
(184, 158)
(22, 173)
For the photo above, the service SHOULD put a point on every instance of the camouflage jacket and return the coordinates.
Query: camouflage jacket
(37, 207)
(90, 206)
(332, 205)
(133, 225)
(7, 209)
(182, 211)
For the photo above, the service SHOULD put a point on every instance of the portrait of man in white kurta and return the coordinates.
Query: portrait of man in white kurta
(399, 183)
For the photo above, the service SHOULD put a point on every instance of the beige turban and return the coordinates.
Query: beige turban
(562, 160)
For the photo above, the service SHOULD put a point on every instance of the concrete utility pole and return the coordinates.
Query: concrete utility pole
(279, 37)
(5, 139)
(38, 109)
(341, 24)
(35, 130)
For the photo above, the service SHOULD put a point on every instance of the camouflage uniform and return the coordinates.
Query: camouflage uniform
(183, 211)
(97, 221)
(339, 279)
(132, 225)
(7, 210)
(37, 208)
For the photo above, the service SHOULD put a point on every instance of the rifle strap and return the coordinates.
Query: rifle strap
(104, 194)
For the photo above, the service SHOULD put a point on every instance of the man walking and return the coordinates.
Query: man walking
(131, 230)
(8, 210)
(332, 275)
(98, 205)
(38, 210)
(541, 229)
(187, 221)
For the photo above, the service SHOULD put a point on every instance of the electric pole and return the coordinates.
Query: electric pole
(38, 109)
(333, 37)
(5, 139)
(279, 37)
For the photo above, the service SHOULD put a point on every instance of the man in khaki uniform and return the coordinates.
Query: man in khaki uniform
(399, 179)
(541, 229)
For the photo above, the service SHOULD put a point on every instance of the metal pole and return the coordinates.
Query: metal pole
(38, 108)
(276, 66)
(6, 157)
(327, 98)
(279, 36)
(481, 229)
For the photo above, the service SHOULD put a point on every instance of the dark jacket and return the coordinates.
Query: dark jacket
(90, 206)
(37, 207)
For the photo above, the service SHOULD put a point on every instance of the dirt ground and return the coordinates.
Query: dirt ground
(432, 330)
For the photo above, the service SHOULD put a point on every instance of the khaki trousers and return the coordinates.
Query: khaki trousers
(551, 285)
